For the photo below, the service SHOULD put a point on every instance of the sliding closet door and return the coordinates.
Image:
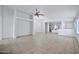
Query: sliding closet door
(0, 24)
(23, 27)
(7, 18)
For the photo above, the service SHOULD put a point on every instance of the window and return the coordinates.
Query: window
(77, 26)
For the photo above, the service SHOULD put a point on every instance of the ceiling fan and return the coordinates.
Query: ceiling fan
(38, 13)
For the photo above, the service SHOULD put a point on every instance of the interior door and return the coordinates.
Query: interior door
(46, 28)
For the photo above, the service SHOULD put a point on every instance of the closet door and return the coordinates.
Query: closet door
(7, 19)
(0, 24)
(23, 27)
(23, 24)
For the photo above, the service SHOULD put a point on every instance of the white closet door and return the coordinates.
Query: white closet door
(0, 28)
(7, 26)
(0, 25)
(22, 27)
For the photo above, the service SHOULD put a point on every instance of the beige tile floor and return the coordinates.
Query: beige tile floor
(40, 43)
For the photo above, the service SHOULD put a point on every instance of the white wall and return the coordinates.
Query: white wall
(67, 29)
(22, 27)
(8, 14)
(0, 24)
(39, 24)
(13, 26)
(67, 23)
(31, 27)
(67, 26)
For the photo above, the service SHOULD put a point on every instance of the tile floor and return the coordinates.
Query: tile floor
(40, 43)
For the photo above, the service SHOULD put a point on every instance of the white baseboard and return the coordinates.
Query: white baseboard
(8, 38)
(23, 36)
(12, 38)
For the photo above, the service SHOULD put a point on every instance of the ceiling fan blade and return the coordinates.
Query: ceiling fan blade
(41, 14)
(38, 12)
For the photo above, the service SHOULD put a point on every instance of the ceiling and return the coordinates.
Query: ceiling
(51, 11)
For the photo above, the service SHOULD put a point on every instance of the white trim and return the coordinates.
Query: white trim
(0, 28)
(77, 26)
(14, 24)
(24, 19)
(1, 23)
